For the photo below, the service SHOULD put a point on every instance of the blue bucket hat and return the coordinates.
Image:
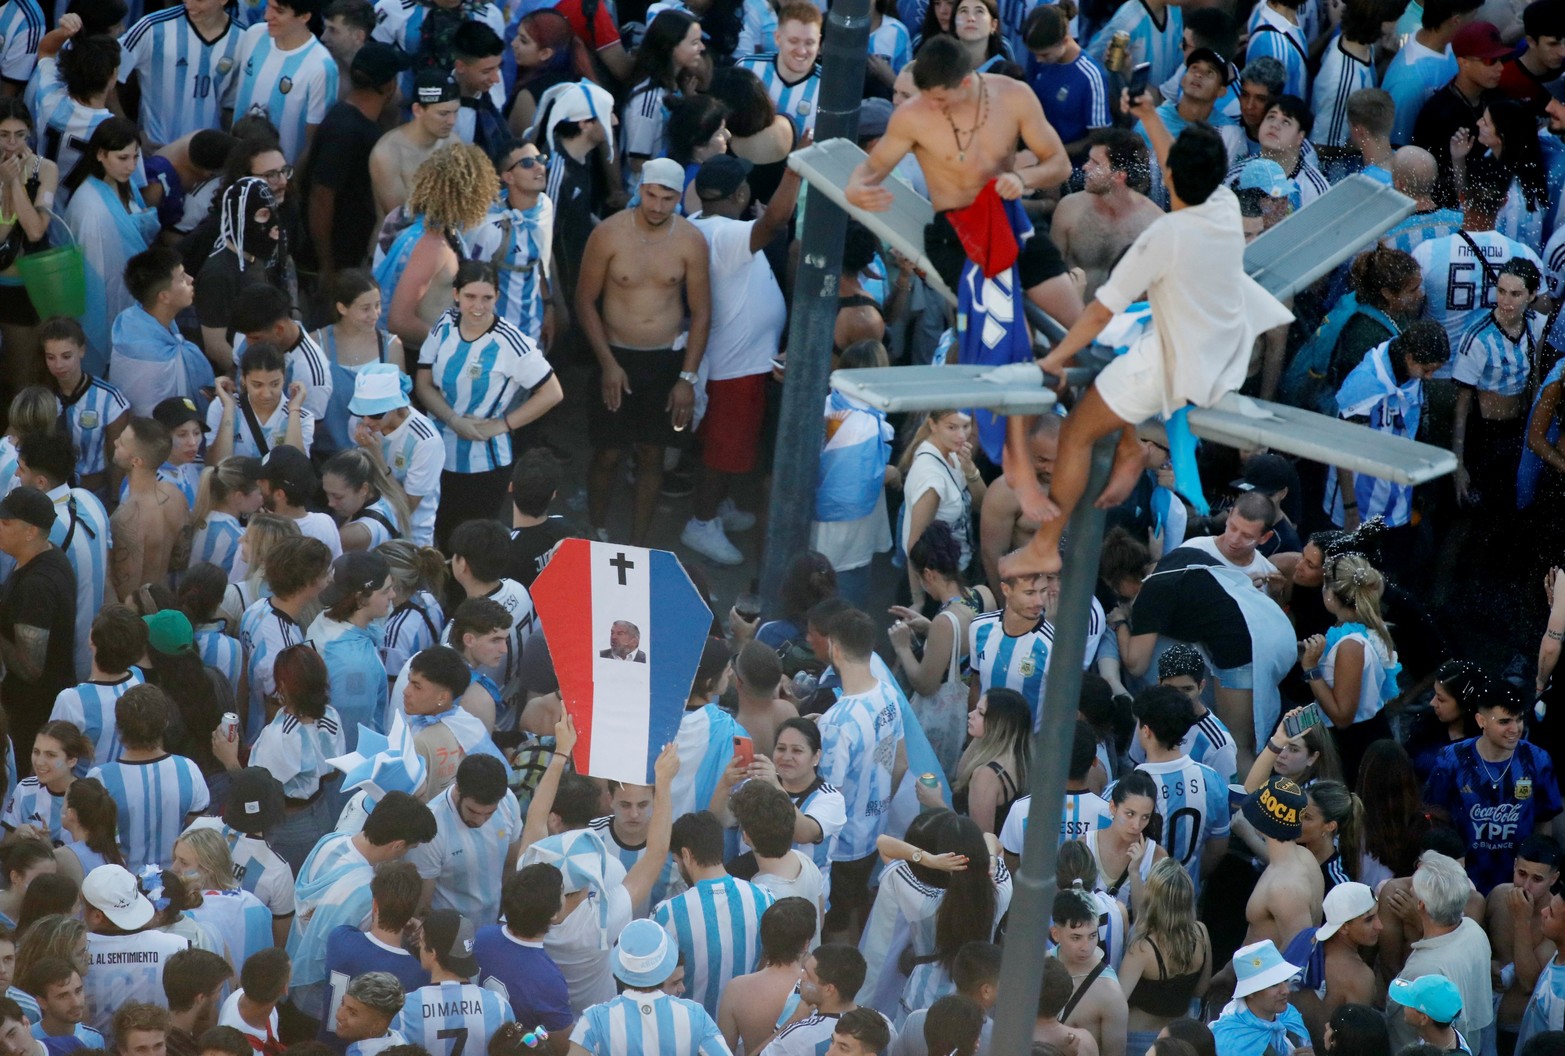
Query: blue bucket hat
(645, 956)
(379, 388)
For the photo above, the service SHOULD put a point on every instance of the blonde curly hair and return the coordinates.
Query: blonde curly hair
(454, 187)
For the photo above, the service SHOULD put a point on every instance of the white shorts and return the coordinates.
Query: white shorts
(1132, 385)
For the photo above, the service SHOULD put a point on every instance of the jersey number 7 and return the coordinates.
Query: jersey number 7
(457, 1034)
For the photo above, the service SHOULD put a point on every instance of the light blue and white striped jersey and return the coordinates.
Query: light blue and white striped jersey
(1527, 225)
(31, 803)
(1208, 741)
(221, 651)
(810, 1036)
(294, 89)
(296, 752)
(89, 411)
(88, 1037)
(125, 968)
(1016, 662)
(21, 31)
(155, 797)
(1084, 812)
(373, 1046)
(1458, 289)
(81, 532)
(705, 743)
(411, 628)
(273, 429)
(305, 361)
(644, 124)
(1162, 46)
(218, 541)
(524, 621)
(451, 1018)
(759, 30)
(796, 101)
(1491, 360)
(1272, 35)
(184, 78)
(1341, 74)
(90, 707)
(1193, 800)
(628, 857)
(1414, 75)
(64, 125)
(264, 631)
(717, 924)
(374, 518)
(860, 735)
(519, 244)
(401, 23)
(825, 804)
(28, 1002)
(416, 456)
(480, 378)
(1546, 1007)
(258, 869)
(238, 918)
(1422, 227)
(1372, 393)
(893, 43)
(648, 1023)
(468, 864)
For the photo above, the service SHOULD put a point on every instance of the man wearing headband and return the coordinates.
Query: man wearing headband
(644, 305)
(402, 150)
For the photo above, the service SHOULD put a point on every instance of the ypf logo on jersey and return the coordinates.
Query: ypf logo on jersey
(626, 629)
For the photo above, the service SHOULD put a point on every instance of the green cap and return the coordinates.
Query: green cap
(169, 631)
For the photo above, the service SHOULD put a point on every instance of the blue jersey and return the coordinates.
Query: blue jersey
(518, 243)
(292, 89)
(796, 100)
(1193, 800)
(89, 706)
(264, 631)
(217, 542)
(468, 864)
(1272, 35)
(31, 803)
(90, 410)
(860, 735)
(1010, 661)
(480, 378)
(21, 30)
(717, 924)
(1495, 806)
(349, 954)
(449, 1019)
(83, 1037)
(81, 531)
(1341, 74)
(185, 79)
(521, 972)
(1491, 360)
(1415, 74)
(1075, 95)
(1150, 42)
(154, 799)
(648, 1023)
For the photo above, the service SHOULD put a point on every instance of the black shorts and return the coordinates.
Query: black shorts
(642, 418)
(16, 307)
(1040, 259)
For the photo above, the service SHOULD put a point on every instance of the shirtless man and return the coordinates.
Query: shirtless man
(1093, 227)
(757, 674)
(1287, 899)
(1515, 924)
(649, 267)
(963, 127)
(1100, 1008)
(147, 523)
(751, 1004)
(1335, 973)
(1003, 526)
(402, 150)
(1052, 996)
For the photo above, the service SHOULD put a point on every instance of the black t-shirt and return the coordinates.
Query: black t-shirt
(219, 284)
(1190, 605)
(1445, 113)
(41, 593)
(529, 545)
(345, 169)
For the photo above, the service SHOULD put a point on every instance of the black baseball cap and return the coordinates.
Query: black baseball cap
(450, 936)
(1267, 474)
(176, 411)
(380, 63)
(352, 572)
(29, 505)
(287, 465)
(255, 801)
(721, 176)
(434, 86)
(1211, 58)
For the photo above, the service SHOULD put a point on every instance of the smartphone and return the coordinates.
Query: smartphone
(744, 751)
(1293, 725)
(1139, 78)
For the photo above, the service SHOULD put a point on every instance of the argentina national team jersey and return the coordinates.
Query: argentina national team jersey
(1341, 74)
(64, 125)
(273, 431)
(480, 378)
(1084, 812)
(379, 519)
(411, 628)
(217, 541)
(154, 798)
(1491, 360)
(810, 1036)
(221, 651)
(717, 925)
(648, 1023)
(860, 735)
(416, 455)
(89, 411)
(518, 243)
(81, 532)
(796, 101)
(1016, 662)
(400, 23)
(1193, 800)
(1422, 227)
(468, 864)
(1546, 1007)
(293, 89)
(184, 78)
(89, 706)
(31, 803)
(21, 31)
(1272, 35)
(628, 857)
(305, 362)
(524, 621)
(825, 805)
(451, 1018)
(296, 752)
(264, 631)
(1494, 806)
(257, 868)
(892, 43)
(1458, 289)
(1371, 394)
(1161, 46)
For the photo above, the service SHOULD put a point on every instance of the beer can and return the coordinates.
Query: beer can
(929, 780)
(1119, 46)
(229, 726)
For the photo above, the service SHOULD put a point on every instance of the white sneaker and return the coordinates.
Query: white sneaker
(734, 519)
(707, 539)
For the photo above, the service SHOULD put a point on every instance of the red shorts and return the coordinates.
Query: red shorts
(731, 429)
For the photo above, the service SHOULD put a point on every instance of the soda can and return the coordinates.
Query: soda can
(229, 726)
(929, 780)
(1114, 56)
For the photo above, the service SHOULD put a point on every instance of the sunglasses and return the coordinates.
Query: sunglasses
(529, 162)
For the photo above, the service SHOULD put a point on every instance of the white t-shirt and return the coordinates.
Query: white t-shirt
(808, 885)
(230, 1017)
(574, 945)
(126, 968)
(929, 470)
(1258, 568)
(748, 311)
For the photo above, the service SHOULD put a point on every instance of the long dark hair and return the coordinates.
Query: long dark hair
(115, 133)
(99, 815)
(1517, 128)
(1359, 1030)
(184, 678)
(966, 913)
(655, 57)
(1394, 829)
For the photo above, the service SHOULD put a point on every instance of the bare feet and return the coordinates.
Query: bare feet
(1040, 557)
(1123, 480)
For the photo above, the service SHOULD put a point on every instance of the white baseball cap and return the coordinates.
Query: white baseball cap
(1344, 903)
(112, 890)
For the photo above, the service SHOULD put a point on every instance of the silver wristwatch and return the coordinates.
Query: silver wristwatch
(918, 856)
(689, 375)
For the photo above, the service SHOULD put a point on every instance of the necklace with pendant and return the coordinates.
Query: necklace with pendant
(983, 108)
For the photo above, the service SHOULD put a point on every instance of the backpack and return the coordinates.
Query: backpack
(1307, 381)
(434, 46)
